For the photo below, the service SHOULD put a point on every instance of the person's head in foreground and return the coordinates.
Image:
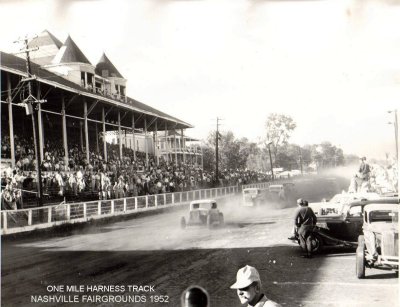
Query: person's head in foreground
(195, 296)
(248, 285)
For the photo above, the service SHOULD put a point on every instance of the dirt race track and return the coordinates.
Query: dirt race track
(153, 250)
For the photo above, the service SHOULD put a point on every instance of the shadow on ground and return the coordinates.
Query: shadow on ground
(27, 271)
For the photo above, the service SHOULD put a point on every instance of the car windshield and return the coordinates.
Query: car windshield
(383, 216)
(253, 192)
(204, 206)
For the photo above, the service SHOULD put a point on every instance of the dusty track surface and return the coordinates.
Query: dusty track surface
(153, 250)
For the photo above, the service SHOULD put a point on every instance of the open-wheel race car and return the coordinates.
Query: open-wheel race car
(378, 247)
(203, 213)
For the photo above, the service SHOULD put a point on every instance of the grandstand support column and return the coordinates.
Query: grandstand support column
(11, 121)
(119, 135)
(81, 134)
(166, 142)
(202, 161)
(64, 132)
(133, 136)
(156, 143)
(145, 141)
(40, 123)
(85, 113)
(183, 146)
(104, 135)
(175, 147)
(97, 139)
(86, 81)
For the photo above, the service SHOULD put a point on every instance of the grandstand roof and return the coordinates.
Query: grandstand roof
(105, 64)
(16, 65)
(70, 53)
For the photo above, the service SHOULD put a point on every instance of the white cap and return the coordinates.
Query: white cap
(245, 277)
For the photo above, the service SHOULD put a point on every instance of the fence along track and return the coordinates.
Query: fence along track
(23, 220)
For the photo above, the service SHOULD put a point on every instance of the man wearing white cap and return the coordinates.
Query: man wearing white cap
(248, 288)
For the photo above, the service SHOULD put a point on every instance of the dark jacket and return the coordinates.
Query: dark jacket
(305, 216)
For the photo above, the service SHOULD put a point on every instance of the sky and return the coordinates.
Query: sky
(332, 65)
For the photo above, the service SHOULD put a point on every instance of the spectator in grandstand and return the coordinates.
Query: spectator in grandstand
(60, 183)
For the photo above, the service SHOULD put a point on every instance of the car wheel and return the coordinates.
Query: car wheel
(360, 258)
(315, 242)
(183, 223)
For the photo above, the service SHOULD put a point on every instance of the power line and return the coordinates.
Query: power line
(217, 137)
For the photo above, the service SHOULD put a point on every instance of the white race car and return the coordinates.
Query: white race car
(203, 212)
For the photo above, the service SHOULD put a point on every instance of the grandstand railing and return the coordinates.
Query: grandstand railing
(14, 221)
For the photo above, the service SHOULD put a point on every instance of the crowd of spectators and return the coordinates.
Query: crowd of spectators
(81, 179)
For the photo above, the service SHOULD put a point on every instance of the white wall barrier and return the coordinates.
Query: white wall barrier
(14, 221)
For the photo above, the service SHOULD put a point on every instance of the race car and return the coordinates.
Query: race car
(251, 197)
(378, 246)
(203, 213)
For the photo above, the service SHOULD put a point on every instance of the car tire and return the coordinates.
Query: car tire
(316, 242)
(360, 258)
(183, 223)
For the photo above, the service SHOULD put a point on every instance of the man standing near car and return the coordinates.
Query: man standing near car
(363, 175)
(305, 220)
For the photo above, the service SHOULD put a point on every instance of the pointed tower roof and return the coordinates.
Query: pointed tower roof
(106, 69)
(70, 53)
(45, 39)
(48, 45)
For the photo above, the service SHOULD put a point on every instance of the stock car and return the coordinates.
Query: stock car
(336, 203)
(344, 229)
(281, 192)
(348, 224)
(251, 197)
(203, 213)
(378, 246)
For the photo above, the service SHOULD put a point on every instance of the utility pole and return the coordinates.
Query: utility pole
(301, 161)
(216, 151)
(270, 160)
(32, 105)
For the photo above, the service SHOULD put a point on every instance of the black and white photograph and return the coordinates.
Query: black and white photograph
(200, 153)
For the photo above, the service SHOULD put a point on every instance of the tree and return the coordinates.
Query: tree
(351, 159)
(208, 158)
(233, 153)
(278, 130)
(327, 155)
